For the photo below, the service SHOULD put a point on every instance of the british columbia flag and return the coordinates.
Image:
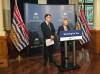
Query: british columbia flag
(86, 35)
(19, 34)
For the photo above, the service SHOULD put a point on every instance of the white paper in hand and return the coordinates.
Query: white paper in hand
(49, 42)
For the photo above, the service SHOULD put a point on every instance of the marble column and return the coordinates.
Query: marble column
(96, 19)
(7, 14)
(76, 5)
(2, 32)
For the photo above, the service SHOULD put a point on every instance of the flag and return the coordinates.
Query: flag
(86, 35)
(18, 34)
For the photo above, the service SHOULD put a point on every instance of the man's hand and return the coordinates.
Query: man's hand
(52, 37)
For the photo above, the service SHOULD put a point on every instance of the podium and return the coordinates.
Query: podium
(68, 36)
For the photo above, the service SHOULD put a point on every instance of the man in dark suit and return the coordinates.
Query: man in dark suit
(48, 33)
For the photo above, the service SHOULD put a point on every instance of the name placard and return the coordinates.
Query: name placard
(70, 35)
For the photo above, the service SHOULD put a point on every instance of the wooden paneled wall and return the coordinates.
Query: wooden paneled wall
(3, 52)
(95, 41)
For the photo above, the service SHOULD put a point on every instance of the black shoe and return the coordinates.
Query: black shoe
(45, 64)
(52, 61)
(63, 66)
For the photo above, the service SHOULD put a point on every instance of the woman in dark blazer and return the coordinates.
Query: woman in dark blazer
(63, 27)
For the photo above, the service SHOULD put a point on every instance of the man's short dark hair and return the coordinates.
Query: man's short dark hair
(47, 15)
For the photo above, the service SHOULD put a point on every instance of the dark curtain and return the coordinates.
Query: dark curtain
(20, 4)
(12, 51)
(57, 1)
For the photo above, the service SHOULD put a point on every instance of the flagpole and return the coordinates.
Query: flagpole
(83, 50)
(19, 58)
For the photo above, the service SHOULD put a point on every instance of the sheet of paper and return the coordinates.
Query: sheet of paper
(49, 42)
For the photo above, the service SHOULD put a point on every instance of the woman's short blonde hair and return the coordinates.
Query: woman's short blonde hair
(64, 20)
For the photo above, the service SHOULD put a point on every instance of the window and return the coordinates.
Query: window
(89, 1)
(88, 10)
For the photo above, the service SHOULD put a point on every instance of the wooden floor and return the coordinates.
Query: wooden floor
(89, 62)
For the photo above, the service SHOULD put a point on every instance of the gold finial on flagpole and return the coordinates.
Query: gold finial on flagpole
(83, 50)
(19, 58)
